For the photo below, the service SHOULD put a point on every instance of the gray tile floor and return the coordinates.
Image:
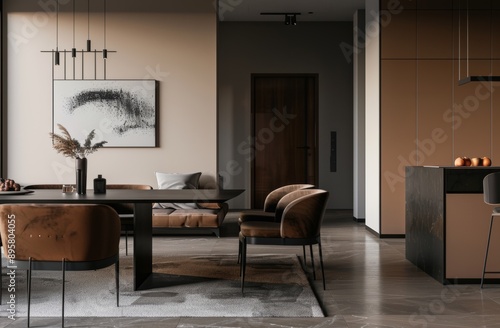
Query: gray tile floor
(369, 284)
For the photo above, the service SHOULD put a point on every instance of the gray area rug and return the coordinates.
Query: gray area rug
(203, 286)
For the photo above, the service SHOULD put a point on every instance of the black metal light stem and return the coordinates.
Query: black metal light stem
(105, 51)
(56, 57)
(73, 51)
(89, 43)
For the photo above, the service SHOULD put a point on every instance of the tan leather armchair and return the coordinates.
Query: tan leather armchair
(61, 237)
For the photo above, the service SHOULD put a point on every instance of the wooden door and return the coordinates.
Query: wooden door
(284, 111)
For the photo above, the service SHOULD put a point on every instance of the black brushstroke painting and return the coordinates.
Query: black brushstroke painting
(126, 107)
(123, 112)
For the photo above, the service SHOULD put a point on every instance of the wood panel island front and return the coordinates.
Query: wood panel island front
(447, 223)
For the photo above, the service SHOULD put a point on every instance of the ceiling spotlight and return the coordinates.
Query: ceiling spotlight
(288, 19)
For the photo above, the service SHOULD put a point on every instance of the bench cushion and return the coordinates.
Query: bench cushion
(209, 216)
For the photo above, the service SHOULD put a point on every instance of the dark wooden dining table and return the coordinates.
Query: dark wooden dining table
(143, 212)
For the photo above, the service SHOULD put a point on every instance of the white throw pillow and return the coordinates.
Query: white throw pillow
(177, 181)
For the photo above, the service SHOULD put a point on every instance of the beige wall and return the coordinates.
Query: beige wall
(246, 48)
(176, 47)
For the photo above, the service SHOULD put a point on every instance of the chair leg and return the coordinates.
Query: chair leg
(305, 256)
(63, 284)
(126, 242)
(117, 281)
(29, 288)
(312, 262)
(487, 249)
(239, 255)
(321, 264)
(243, 263)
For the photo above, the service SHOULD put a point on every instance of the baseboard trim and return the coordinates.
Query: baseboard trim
(359, 220)
(392, 236)
(373, 232)
(471, 281)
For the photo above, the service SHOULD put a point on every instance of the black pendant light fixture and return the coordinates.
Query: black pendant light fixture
(60, 56)
(471, 78)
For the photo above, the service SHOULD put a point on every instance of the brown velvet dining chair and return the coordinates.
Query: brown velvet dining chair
(66, 237)
(124, 210)
(300, 214)
(268, 212)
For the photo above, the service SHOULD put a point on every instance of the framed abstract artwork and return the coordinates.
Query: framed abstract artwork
(122, 112)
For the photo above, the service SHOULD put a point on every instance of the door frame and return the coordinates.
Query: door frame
(315, 77)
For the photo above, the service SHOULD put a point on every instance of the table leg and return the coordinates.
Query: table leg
(143, 245)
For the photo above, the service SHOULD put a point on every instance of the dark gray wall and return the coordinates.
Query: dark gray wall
(246, 48)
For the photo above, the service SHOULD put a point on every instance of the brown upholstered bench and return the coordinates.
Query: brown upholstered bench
(187, 217)
(208, 217)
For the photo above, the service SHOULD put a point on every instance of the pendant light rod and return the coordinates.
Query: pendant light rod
(74, 14)
(104, 51)
(57, 25)
(73, 51)
(459, 42)
(56, 54)
(89, 43)
(468, 38)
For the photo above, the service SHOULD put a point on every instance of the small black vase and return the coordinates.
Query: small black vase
(81, 175)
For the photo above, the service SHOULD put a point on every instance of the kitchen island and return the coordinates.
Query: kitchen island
(447, 223)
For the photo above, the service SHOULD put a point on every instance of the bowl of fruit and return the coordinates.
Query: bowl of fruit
(9, 185)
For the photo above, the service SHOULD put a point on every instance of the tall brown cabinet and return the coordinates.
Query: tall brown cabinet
(426, 117)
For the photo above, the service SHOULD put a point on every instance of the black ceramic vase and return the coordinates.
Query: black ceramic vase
(81, 175)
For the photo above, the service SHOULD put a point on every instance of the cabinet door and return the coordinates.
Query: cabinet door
(435, 111)
(435, 34)
(398, 132)
(398, 37)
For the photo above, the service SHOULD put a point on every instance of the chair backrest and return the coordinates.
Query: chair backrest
(287, 199)
(272, 199)
(44, 186)
(491, 188)
(51, 232)
(109, 186)
(126, 208)
(129, 186)
(303, 214)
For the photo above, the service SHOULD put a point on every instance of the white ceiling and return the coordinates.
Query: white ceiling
(310, 10)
